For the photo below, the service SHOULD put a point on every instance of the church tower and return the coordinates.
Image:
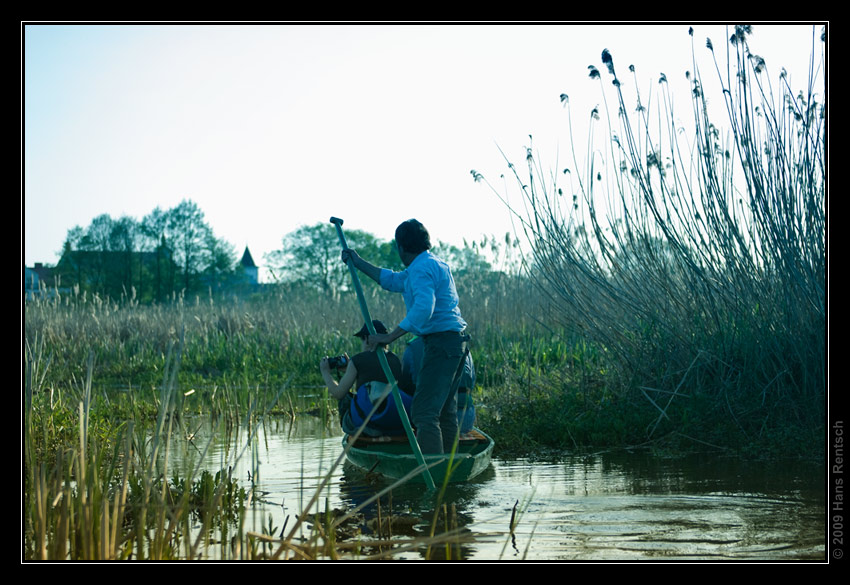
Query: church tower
(251, 270)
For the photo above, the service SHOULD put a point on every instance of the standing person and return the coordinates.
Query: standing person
(430, 296)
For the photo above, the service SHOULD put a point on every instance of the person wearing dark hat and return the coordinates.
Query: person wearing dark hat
(364, 374)
(429, 293)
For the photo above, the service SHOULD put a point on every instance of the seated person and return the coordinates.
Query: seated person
(412, 361)
(365, 374)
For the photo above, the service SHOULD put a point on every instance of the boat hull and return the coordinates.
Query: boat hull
(393, 458)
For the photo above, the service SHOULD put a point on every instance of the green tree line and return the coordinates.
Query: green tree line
(175, 251)
(311, 255)
(166, 252)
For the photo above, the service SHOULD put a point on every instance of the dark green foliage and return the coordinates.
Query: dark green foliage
(167, 252)
(310, 255)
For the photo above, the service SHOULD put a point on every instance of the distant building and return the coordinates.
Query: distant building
(38, 281)
(252, 273)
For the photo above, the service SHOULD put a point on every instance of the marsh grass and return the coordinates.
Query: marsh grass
(694, 256)
(235, 351)
(104, 496)
(112, 388)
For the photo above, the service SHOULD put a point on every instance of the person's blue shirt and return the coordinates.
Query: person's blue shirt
(429, 293)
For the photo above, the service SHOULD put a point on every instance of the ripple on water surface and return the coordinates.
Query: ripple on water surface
(629, 506)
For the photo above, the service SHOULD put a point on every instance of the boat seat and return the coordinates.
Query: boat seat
(471, 436)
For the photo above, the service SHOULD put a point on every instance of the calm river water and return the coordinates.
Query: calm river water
(620, 506)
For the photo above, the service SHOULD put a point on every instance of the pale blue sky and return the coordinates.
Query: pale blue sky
(270, 127)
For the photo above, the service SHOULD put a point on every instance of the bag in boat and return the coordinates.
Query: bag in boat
(385, 418)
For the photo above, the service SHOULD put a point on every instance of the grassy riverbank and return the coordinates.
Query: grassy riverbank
(538, 387)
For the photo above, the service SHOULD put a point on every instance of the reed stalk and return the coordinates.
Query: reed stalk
(671, 243)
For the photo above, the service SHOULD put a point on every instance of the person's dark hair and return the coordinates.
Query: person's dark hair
(413, 237)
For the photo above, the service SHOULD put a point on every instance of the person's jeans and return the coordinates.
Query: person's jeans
(434, 403)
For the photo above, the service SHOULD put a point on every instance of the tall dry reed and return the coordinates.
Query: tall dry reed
(698, 264)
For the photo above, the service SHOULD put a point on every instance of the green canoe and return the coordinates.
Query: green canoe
(393, 458)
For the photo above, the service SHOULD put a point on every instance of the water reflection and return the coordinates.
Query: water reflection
(417, 513)
(624, 506)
